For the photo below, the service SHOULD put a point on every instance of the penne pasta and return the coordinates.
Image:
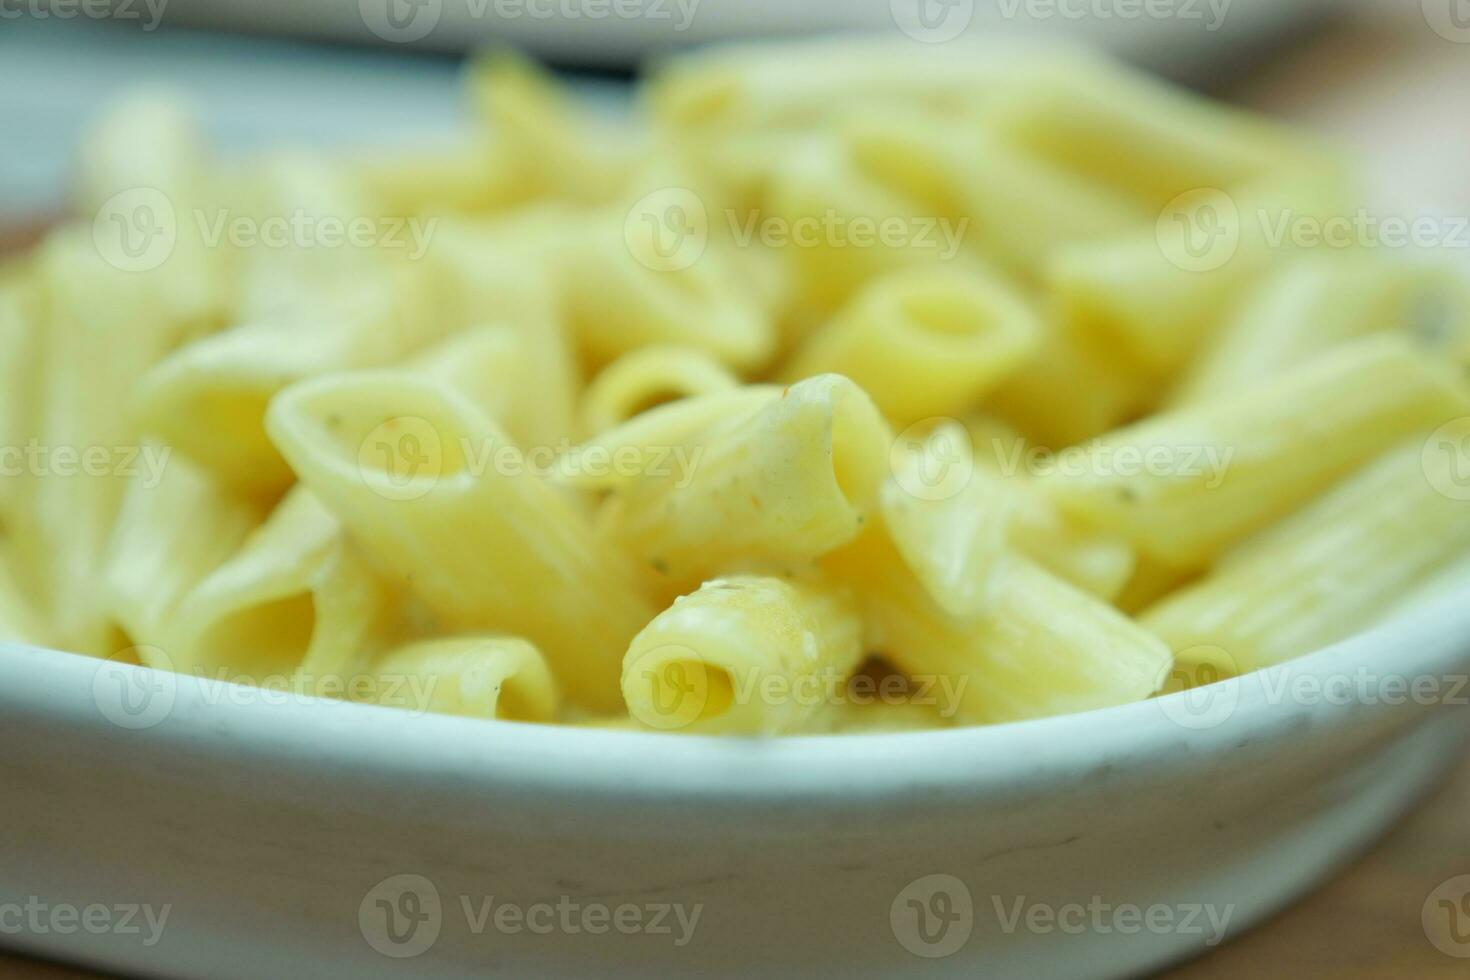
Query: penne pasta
(924, 343)
(497, 677)
(1043, 648)
(1185, 486)
(797, 479)
(295, 604)
(647, 378)
(209, 399)
(1330, 571)
(172, 530)
(411, 472)
(748, 655)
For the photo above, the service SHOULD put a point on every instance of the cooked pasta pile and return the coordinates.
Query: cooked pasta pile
(843, 387)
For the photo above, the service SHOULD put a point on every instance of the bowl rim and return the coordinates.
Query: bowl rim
(56, 689)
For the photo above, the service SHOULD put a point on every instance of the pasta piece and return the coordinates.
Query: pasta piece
(747, 655)
(102, 329)
(1311, 304)
(495, 274)
(789, 483)
(924, 342)
(463, 177)
(1102, 391)
(20, 339)
(952, 537)
(1017, 208)
(209, 399)
(498, 677)
(296, 604)
(1330, 571)
(1044, 648)
(143, 169)
(1186, 485)
(551, 147)
(647, 378)
(626, 287)
(404, 465)
(875, 718)
(667, 440)
(173, 529)
(1125, 130)
(1157, 299)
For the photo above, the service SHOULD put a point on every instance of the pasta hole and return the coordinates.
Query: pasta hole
(263, 641)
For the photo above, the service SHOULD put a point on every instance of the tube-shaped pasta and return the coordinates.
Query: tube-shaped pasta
(749, 655)
(208, 400)
(20, 339)
(947, 521)
(1158, 300)
(414, 474)
(671, 435)
(173, 529)
(1017, 208)
(1186, 485)
(1312, 303)
(789, 483)
(621, 294)
(1103, 390)
(1125, 130)
(102, 329)
(495, 274)
(924, 342)
(1043, 648)
(483, 364)
(144, 166)
(647, 378)
(296, 602)
(499, 677)
(1330, 571)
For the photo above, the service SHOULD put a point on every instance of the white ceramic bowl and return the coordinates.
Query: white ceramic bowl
(270, 829)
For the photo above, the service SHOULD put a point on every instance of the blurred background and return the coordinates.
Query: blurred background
(1387, 79)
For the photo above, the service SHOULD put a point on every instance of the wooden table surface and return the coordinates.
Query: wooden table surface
(1395, 92)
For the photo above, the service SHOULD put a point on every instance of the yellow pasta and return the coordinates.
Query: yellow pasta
(1186, 485)
(296, 604)
(789, 483)
(416, 476)
(499, 677)
(1043, 648)
(173, 529)
(748, 655)
(924, 343)
(646, 378)
(1330, 571)
(209, 399)
(589, 417)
